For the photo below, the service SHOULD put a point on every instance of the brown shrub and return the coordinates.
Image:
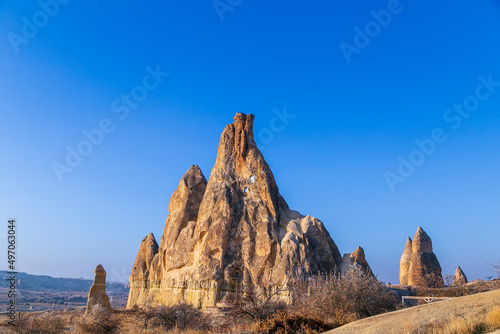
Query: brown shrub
(45, 323)
(286, 323)
(340, 299)
(180, 316)
(99, 321)
(147, 311)
(434, 281)
(256, 302)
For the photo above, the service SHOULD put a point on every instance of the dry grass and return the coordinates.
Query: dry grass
(45, 323)
(493, 318)
(459, 325)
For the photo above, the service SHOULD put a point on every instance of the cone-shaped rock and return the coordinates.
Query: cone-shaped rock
(459, 278)
(97, 293)
(421, 242)
(404, 264)
(236, 229)
(423, 268)
(356, 258)
(143, 264)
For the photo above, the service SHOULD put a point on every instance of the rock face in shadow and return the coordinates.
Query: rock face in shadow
(459, 278)
(356, 258)
(419, 265)
(97, 293)
(233, 230)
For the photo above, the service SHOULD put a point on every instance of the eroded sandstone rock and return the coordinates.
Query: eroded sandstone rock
(97, 292)
(419, 265)
(143, 265)
(234, 229)
(404, 264)
(459, 278)
(356, 258)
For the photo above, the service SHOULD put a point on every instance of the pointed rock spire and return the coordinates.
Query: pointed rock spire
(357, 258)
(183, 211)
(420, 267)
(459, 278)
(404, 263)
(236, 229)
(142, 264)
(421, 242)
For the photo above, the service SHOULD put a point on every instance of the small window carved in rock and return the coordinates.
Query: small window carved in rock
(237, 274)
(245, 189)
(252, 179)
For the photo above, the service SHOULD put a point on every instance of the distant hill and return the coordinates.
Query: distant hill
(46, 283)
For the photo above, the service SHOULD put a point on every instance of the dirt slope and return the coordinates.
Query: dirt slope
(410, 319)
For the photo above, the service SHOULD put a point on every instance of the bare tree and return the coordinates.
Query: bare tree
(448, 280)
(257, 302)
(341, 298)
(147, 310)
(496, 267)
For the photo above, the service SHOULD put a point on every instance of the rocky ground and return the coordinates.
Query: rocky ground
(421, 319)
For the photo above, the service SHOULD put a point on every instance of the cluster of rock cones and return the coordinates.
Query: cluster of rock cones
(419, 265)
(236, 229)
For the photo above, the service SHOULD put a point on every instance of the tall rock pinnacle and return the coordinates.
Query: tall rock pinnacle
(419, 265)
(236, 229)
(97, 292)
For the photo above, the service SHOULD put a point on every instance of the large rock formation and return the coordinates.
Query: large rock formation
(459, 278)
(236, 229)
(97, 293)
(356, 258)
(419, 265)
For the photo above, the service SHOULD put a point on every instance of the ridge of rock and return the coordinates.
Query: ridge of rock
(234, 230)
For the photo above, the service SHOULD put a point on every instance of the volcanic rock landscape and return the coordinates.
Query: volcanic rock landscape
(234, 258)
(236, 229)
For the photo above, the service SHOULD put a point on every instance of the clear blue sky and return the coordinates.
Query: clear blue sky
(353, 120)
